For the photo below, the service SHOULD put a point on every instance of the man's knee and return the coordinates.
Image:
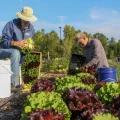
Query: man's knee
(5, 53)
(15, 53)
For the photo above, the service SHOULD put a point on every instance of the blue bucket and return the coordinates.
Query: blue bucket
(107, 74)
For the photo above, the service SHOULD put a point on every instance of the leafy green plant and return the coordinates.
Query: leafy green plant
(45, 100)
(108, 91)
(30, 67)
(28, 49)
(67, 82)
(55, 65)
(107, 116)
(115, 64)
(83, 75)
(27, 87)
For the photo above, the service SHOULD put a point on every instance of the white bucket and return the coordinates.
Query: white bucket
(5, 78)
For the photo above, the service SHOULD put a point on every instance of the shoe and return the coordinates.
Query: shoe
(14, 89)
(18, 86)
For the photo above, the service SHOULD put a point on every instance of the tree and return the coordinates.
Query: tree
(47, 42)
(0, 40)
(50, 44)
(112, 55)
(90, 35)
(69, 38)
(76, 49)
(78, 31)
(118, 48)
(103, 39)
(112, 47)
(38, 38)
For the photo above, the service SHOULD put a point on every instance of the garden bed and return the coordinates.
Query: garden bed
(77, 93)
(13, 109)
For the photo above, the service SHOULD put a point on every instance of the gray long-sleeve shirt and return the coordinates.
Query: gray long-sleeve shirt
(95, 54)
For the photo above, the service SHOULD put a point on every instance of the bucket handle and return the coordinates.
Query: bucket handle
(6, 68)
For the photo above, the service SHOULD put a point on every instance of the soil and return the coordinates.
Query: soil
(54, 74)
(13, 109)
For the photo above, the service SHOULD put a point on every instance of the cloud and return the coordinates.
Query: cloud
(48, 25)
(45, 25)
(114, 12)
(62, 19)
(107, 28)
(51, 26)
(106, 21)
(104, 14)
(93, 15)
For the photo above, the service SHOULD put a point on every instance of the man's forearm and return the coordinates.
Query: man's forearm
(14, 43)
(17, 43)
(94, 61)
(5, 44)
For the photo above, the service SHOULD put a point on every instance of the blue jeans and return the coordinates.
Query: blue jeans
(14, 55)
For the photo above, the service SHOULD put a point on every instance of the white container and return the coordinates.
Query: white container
(5, 78)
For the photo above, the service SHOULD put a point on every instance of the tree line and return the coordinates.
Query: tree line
(51, 43)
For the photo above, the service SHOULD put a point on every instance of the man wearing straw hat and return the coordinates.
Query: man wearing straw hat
(14, 36)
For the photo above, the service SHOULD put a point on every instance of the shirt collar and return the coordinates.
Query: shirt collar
(89, 42)
(19, 23)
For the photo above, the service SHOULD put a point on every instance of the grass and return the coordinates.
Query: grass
(115, 64)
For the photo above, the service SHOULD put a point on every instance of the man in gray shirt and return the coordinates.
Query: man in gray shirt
(93, 51)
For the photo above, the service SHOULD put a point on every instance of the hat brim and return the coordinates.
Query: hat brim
(30, 19)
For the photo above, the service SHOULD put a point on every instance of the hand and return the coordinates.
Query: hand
(21, 44)
(91, 69)
(84, 69)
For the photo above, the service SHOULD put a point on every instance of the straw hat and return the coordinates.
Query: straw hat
(27, 14)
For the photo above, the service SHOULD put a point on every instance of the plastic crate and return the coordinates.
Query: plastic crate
(76, 61)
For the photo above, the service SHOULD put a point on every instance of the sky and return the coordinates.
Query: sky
(92, 16)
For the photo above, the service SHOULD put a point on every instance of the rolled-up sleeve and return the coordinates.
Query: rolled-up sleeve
(96, 54)
(7, 36)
